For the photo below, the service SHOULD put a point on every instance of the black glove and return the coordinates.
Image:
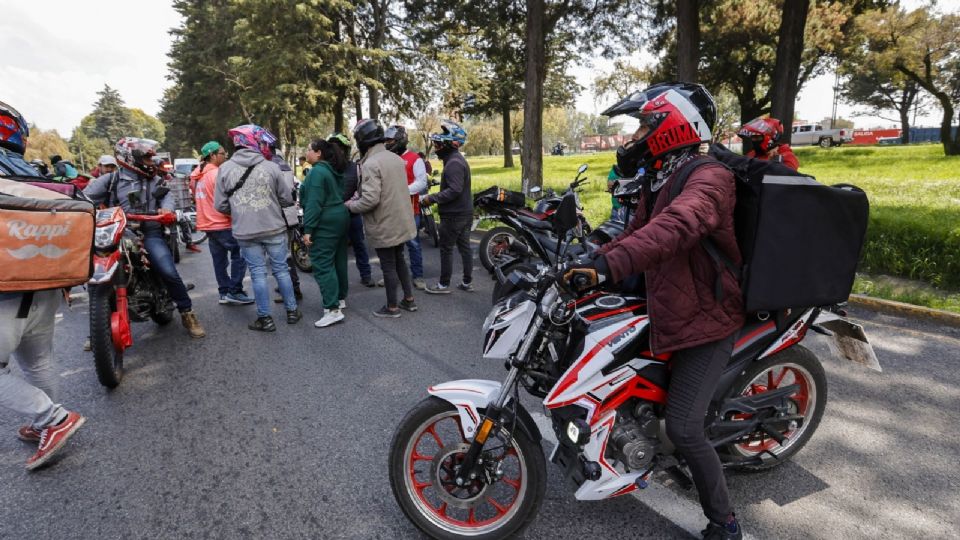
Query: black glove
(587, 273)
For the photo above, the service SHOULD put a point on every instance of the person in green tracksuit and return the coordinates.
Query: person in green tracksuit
(325, 224)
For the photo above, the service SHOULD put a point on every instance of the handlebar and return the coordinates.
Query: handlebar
(168, 218)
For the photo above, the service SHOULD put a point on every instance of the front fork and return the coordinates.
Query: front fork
(494, 411)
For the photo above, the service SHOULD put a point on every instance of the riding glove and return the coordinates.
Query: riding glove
(587, 273)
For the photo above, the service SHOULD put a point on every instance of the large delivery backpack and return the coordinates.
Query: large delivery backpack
(46, 238)
(800, 240)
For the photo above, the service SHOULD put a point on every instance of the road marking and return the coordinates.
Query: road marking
(662, 499)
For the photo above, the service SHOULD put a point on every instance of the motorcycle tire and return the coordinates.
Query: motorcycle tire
(174, 248)
(796, 365)
(500, 290)
(162, 318)
(301, 255)
(423, 427)
(107, 360)
(430, 227)
(489, 245)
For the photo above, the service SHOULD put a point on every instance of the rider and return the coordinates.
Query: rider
(694, 311)
(455, 204)
(355, 232)
(760, 138)
(26, 334)
(137, 188)
(396, 142)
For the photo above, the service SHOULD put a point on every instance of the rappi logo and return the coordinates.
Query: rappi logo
(680, 135)
(22, 230)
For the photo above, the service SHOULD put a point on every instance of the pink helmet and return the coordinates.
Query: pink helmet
(253, 137)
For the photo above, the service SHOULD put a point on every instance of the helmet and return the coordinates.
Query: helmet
(253, 137)
(367, 133)
(137, 154)
(342, 140)
(399, 136)
(13, 129)
(678, 115)
(40, 166)
(107, 159)
(451, 135)
(760, 134)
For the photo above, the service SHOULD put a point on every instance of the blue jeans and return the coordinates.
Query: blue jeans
(416, 254)
(271, 251)
(222, 245)
(161, 261)
(355, 233)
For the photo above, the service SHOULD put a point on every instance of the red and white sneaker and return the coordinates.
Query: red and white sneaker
(52, 439)
(28, 434)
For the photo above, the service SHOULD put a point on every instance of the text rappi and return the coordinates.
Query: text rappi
(22, 230)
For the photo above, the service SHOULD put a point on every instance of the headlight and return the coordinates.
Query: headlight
(104, 237)
(578, 432)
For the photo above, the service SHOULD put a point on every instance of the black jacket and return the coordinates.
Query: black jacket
(350, 180)
(454, 197)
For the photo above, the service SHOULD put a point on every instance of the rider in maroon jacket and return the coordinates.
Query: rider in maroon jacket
(694, 303)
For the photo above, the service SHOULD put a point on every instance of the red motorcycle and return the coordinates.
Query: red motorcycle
(123, 289)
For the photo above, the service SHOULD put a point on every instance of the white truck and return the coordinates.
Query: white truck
(804, 134)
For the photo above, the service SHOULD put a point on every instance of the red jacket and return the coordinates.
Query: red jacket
(680, 275)
(783, 151)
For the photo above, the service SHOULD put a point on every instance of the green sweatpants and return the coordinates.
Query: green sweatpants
(329, 256)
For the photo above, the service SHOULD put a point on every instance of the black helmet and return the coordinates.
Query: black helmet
(367, 133)
(396, 139)
(679, 115)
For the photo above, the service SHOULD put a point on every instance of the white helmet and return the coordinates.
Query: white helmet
(107, 160)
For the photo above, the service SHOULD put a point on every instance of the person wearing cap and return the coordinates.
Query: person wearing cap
(218, 228)
(105, 165)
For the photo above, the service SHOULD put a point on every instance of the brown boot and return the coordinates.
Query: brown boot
(190, 322)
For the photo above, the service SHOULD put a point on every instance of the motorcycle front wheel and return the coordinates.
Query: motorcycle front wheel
(107, 359)
(429, 444)
(300, 254)
(430, 227)
(497, 247)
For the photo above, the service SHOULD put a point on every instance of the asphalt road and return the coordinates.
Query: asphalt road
(285, 435)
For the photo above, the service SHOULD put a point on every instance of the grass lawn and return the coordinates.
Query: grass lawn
(914, 194)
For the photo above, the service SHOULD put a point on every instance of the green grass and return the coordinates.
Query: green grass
(913, 292)
(914, 194)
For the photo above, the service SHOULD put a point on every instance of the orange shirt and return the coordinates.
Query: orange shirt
(208, 219)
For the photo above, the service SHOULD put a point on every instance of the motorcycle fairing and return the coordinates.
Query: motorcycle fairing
(469, 396)
(104, 268)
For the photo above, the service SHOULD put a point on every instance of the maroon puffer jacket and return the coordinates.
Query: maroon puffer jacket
(680, 275)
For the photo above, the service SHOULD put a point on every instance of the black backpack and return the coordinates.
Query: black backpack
(800, 240)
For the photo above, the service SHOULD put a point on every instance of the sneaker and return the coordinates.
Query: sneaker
(380, 282)
(367, 282)
(463, 286)
(29, 434)
(293, 317)
(194, 248)
(236, 299)
(343, 304)
(330, 316)
(190, 322)
(263, 324)
(52, 439)
(223, 300)
(408, 305)
(386, 312)
(419, 283)
(729, 531)
(438, 289)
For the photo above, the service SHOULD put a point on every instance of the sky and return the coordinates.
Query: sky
(58, 53)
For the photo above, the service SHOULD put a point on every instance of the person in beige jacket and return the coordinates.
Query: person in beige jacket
(384, 201)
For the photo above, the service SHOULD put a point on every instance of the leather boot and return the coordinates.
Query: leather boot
(190, 322)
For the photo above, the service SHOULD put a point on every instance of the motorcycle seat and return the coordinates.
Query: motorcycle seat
(535, 223)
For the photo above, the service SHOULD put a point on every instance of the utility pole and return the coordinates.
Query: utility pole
(836, 96)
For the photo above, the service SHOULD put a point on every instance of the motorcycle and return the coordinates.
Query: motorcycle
(123, 288)
(299, 251)
(467, 461)
(428, 224)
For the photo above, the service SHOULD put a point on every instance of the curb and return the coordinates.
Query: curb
(907, 310)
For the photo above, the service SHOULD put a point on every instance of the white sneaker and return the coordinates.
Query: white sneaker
(330, 316)
(343, 304)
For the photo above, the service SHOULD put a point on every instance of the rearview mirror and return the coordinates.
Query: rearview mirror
(582, 169)
(565, 217)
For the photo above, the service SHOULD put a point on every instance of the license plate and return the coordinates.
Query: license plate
(850, 341)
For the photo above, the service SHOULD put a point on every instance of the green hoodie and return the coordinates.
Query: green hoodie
(321, 196)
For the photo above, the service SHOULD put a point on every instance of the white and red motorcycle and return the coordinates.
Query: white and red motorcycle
(467, 461)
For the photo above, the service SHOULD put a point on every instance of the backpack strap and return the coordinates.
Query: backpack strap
(720, 259)
(239, 184)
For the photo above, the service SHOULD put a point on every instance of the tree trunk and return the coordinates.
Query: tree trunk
(783, 91)
(951, 146)
(374, 96)
(904, 126)
(338, 110)
(531, 153)
(507, 135)
(688, 40)
(357, 103)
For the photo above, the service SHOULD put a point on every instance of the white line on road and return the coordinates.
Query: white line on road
(677, 509)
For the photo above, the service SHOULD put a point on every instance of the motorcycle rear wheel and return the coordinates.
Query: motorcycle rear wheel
(496, 247)
(430, 438)
(300, 254)
(430, 227)
(107, 360)
(796, 365)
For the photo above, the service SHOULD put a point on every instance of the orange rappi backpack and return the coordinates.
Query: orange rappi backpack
(46, 238)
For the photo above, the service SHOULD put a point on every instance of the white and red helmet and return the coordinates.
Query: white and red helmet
(679, 115)
(137, 154)
(760, 134)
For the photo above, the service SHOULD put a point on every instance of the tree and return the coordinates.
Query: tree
(688, 40)
(870, 80)
(111, 118)
(46, 143)
(784, 84)
(531, 151)
(623, 79)
(925, 48)
(146, 126)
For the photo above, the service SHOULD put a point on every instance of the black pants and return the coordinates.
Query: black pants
(455, 231)
(395, 271)
(693, 380)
